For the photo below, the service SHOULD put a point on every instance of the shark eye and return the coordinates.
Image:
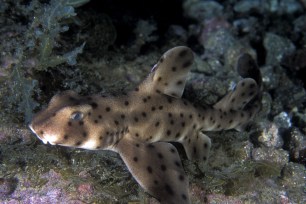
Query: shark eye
(77, 116)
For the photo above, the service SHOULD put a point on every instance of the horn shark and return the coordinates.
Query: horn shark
(139, 125)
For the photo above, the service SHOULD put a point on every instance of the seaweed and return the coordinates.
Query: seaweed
(35, 51)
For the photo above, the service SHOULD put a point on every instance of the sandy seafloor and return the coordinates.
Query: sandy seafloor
(42, 53)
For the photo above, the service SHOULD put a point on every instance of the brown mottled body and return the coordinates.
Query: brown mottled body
(139, 124)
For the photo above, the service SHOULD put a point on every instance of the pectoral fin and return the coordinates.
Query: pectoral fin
(157, 168)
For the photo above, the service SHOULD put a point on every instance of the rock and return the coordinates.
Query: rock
(283, 120)
(293, 175)
(277, 156)
(270, 136)
(295, 143)
(200, 10)
(277, 47)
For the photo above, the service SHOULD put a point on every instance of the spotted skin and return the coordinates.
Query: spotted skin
(138, 125)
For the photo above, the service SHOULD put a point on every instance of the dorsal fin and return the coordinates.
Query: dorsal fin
(157, 168)
(248, 89)
(169, 75)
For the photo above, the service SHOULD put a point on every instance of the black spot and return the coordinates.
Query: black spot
(108, 109)
(194, 126)
(169, 100)
(136, 119)
(122, 116)
(149, 169)
(84, 134)
(177, 163)
(71, 98)
(205, 145)
(174, 69)
(169, 189)
(194, 150)
(136, 89)
(159, 79)
(161, 59)
(190, 116)
(156, 124)
(183, 53)
(100, 116)
(177, 135)
(160, 155)
(181, 115)
(242, 115)
(94, 105)
(242, 84)
(170, 115)
(135, 159)
(185, 103)
(172, 150)
(187, 64)
(242, 94)
(89, 113)
(233, 100)
(54, 114)
(179, 82)
(204, 158)
(211, 118)
(163, 167)
(137, 135)
(230, 121)
(158, 91)
(155, 182)
(252, 86)
(116, 122)
(69, 124)
(218, 126)
(166, 84)
(144, 114)
(153, 108)
(168, 132)
(96, 121)
(100, 138)
(137, 145)
(78, 143)
(251, 93)
(171, 122)
(41, 132)
(160, 107)
(126, 103)
(181, 177)
(183, 124)
(66, 137)
(144, 100)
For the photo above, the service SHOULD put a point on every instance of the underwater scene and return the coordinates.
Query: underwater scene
(147, 102)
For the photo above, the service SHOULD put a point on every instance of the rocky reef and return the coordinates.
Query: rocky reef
(108, 47)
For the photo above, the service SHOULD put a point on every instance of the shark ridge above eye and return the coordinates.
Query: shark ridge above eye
(139, 125)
